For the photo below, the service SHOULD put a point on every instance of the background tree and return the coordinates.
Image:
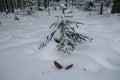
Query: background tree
(45, 3)
(116, 6)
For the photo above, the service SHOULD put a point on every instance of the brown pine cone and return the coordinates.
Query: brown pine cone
(58, 65)
(69, 66)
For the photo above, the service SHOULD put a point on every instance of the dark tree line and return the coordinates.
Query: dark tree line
(11, 5)
(116, 6)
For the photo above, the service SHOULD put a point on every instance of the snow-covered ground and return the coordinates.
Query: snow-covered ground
(20, 58)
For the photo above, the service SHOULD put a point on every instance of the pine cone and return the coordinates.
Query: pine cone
(58, 65)
(69, 66)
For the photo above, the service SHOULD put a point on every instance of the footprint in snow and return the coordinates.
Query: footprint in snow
(114, 61)
(117, 40)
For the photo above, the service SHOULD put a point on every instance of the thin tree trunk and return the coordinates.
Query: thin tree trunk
(48, 8)
(101, 9)
(5, 5)
(89, 9)
(2, 6)
(12, 6)
(45, 3)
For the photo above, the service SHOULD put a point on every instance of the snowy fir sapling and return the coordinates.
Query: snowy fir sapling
(29, 7)
(68, 39)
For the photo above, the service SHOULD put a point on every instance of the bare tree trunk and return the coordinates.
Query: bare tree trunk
(45, 3)
(5, 5)
(9, 6)
(12, 6)
(101, 9)
(36, 4)
(48, 7)
(2, 6)
(89, 9)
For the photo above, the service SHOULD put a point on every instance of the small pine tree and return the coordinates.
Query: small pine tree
(68, 39)
(29, 6)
